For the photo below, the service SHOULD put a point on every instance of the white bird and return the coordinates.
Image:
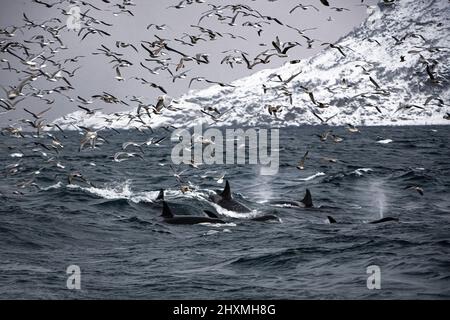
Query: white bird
(122, 156)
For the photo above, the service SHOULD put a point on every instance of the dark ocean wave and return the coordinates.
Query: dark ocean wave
(115, 220)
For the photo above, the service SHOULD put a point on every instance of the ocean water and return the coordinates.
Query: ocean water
(113, 230)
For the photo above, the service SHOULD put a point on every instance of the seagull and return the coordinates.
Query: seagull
(416, 188)
(408, 106)
(155, 70)
(374, 83)
(118, 76)
(153, 85)
(181, 75)
(209, 81)
(15, 92)
(321, 119)
(292, 77)
(192, 38)
(16, 132)
(301, 163)
(334, 46)
(89, 111)
(9, 105)
(157, 27)
(439, 100)
(282, 48)
(127, 144)
(365, 71)
(48, 5)
(71, 74)
(90, 137)
(178, 6)
(324, 136)
(37, 115)
(90, 30)
(77, 175)
(120, 44)
(252, 64)
(159, 105)
(431, 74)
(84, 101)
(108, 98)
(331, 160)
(303, 7)
(156, 141)
(336, 138)
(122, 156)
(273, 110)
(339, 9)
(351, 128)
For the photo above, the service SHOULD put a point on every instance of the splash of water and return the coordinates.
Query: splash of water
(379, 201)
(263, 186)
(114, 190)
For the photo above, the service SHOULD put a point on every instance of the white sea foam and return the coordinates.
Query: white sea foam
(361, 171)
(318, 174)
(16, 155)
(112, 191)
(385, 141)
(53, 186)
(218, 225)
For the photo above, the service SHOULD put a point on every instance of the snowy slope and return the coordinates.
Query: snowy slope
(353, 100)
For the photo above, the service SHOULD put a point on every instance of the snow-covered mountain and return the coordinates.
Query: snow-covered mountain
(403, 48)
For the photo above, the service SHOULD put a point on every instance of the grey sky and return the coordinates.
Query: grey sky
(97, 75)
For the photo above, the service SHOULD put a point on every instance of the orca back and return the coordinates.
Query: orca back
(211, 214)
(307, 200)
(166, 212)
(226, 193)
(331, 219)
(160, 195)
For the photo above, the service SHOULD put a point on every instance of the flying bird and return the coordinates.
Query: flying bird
(301, 163)
(416, 188)
(301, 6)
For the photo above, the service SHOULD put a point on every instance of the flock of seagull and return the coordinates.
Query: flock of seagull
(37, 57)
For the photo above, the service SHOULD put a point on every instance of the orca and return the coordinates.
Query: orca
(160, 195)
(331, 219)
(387, 219)
(305, 203)
(170, 218)
(267, 217)
(225, 200)
(211, 214)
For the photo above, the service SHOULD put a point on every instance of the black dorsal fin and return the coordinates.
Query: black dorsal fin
(331, 219)
(166, 212)
(226, 193)
(160, 195)
(307, 200)
(211, 214)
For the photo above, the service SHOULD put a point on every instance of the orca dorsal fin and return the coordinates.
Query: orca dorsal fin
(307, 200)
(226, 193)
(210, 214)
(166, 212)
(160, 195)
(331, 219)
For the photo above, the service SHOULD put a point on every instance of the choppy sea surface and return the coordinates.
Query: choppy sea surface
(113, 230)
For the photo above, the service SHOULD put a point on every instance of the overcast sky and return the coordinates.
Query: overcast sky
(97, 75)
